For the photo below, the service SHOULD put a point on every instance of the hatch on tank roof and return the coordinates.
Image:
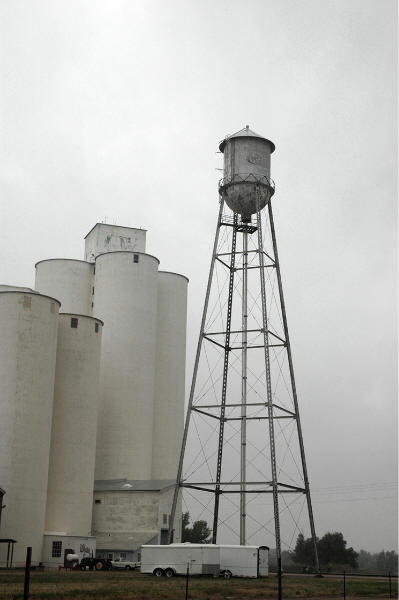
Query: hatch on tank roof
(244, 132)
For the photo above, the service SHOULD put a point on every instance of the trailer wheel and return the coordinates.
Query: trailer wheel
(99, 565)
(128, 568)
(157, 572)
(169, 573)
(227, 574)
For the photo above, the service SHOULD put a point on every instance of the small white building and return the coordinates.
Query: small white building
(56, 545)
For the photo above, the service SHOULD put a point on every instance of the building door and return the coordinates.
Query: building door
(164, 536)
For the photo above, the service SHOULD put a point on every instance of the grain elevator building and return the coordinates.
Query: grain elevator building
(92, 401)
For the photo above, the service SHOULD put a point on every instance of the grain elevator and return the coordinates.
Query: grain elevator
(92, 383)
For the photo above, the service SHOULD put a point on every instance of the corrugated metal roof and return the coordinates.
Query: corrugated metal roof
(244, 132)
(132, 485)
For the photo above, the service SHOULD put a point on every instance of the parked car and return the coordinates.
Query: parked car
(120, 563)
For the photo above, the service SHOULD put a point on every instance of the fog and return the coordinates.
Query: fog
(113, 111)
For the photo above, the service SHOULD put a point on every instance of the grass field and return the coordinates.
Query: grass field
(88, 585)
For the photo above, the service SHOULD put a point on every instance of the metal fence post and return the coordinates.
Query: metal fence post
(390, 584)
(344, 585)
(280, 585)
(27, 572)
(187, 574)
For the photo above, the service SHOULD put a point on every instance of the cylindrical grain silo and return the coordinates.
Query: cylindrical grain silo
(74, 428)
(246, 174)
(169, 374)
(71, 281)
(28, 333)
(125, 298)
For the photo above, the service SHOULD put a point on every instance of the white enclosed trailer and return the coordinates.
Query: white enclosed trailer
(205, 559)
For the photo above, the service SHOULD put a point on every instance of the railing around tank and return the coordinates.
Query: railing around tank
(250, 178)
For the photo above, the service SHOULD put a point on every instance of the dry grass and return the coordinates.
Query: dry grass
(134, 586)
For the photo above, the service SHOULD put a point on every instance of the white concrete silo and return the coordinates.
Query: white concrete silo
(169, 374)
(74, 426)
(71, 281)
(125, 299)
(15, 288)
(28, 332)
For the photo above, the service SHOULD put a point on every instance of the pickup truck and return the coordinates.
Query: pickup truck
(120, 563)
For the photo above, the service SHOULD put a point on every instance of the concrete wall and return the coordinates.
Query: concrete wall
(123, 521)
(112, 238)
(169, 374)
(70, 281)
(28, 333)
(74, 427)
(126, 300)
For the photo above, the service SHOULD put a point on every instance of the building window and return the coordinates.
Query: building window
(122, 555)
(56, 550)
(110, 556)
(97, 501)
(74, 323)
(92, 290)
(136, 258)
(96, 327)
(165, 519)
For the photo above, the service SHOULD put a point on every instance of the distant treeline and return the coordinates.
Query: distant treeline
(380, 562)
(334, 556)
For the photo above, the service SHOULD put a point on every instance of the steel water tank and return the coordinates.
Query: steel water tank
(74, 425)
(28, 332)
(170, 364)
(69, 280)
(246, 171)
(126, 287)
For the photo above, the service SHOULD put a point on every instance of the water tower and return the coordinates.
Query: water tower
(247, 442)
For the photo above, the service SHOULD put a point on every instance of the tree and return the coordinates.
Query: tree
(197, 534)
(331, 549)
(304, 551)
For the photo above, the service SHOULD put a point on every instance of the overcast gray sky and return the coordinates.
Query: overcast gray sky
(113, 109)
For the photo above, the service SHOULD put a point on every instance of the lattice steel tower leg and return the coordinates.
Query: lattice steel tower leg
(247, 190)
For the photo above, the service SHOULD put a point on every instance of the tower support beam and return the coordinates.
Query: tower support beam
(268, 384)
(224, 382)
(293, 385)
(194, 379)
(244, 342)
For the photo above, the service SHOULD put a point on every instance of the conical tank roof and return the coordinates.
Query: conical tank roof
(245, 132)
